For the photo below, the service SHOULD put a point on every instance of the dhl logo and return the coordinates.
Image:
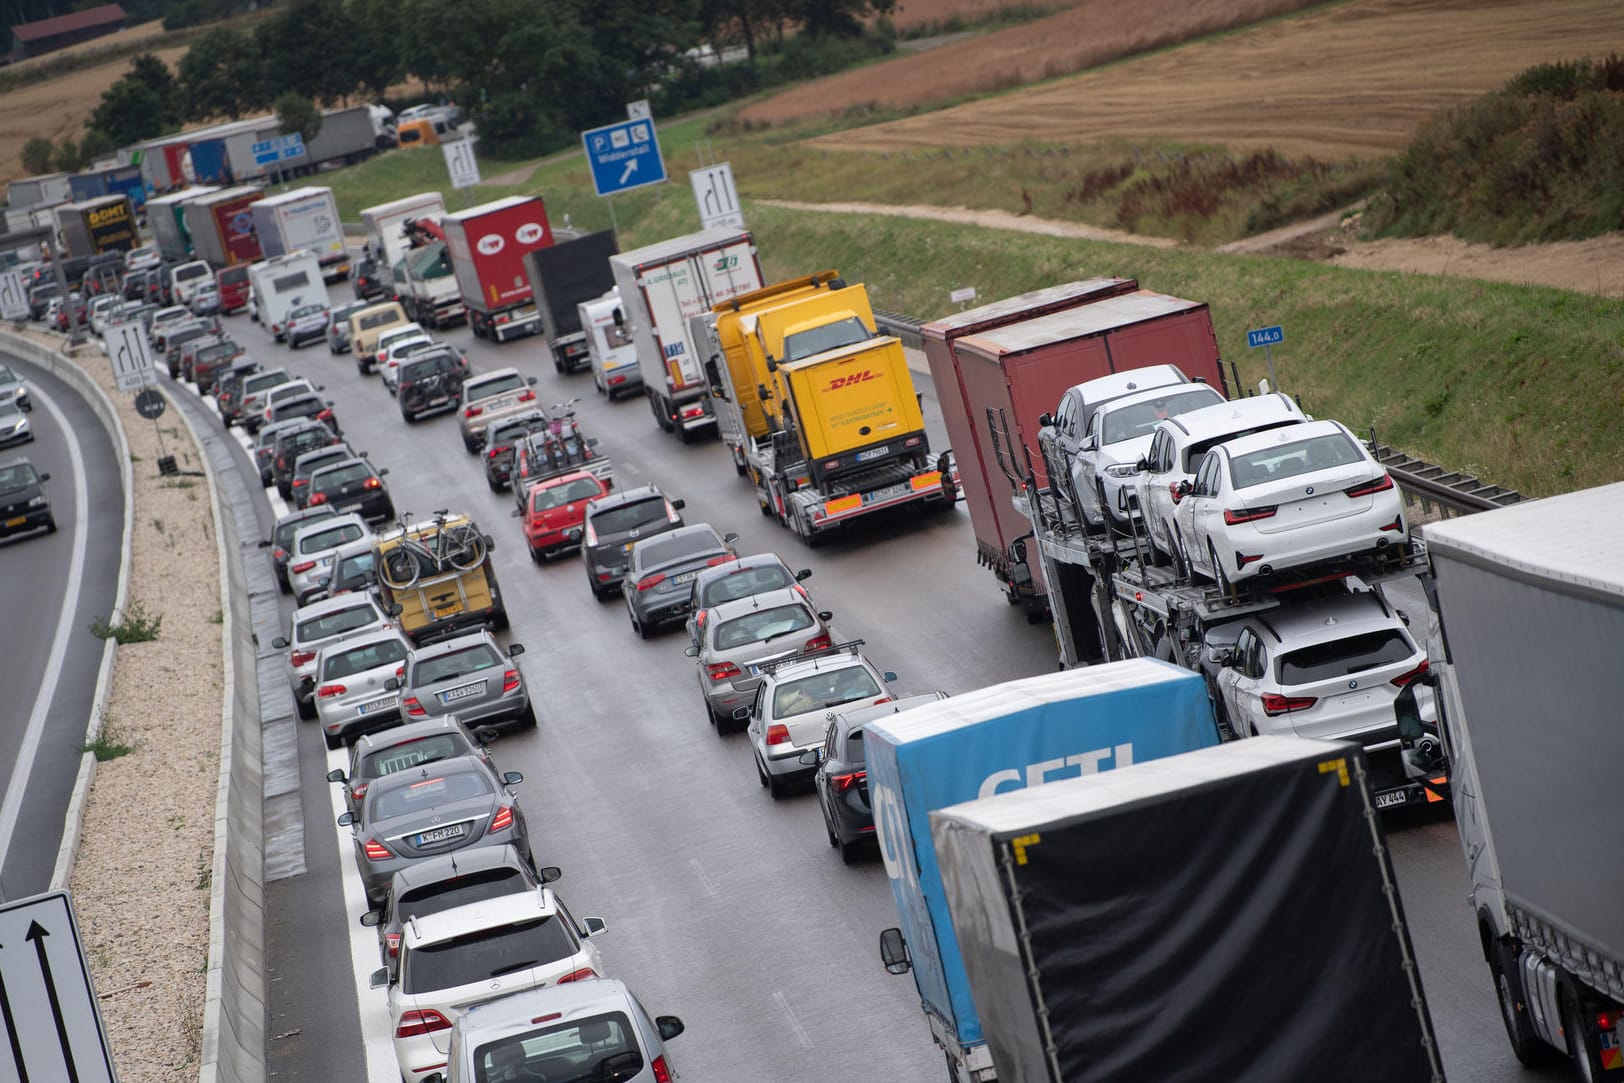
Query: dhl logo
(851, 379)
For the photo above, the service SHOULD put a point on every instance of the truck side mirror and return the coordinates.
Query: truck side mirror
(619, 318)
(894, 952)
(713, 376)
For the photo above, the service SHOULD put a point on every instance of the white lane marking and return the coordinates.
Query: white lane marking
(29, 748)
(372, 1005)
(794, 1022)
(704, 880)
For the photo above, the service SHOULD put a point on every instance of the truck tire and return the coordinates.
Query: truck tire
(1580, 1046)
(661, 418)
(1529, 1049)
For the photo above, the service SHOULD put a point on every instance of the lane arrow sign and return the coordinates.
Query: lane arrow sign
(37, 933)
(11, 1031)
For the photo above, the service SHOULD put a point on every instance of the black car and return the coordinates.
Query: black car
(367, 283)
(841, 779)
(431, 380)
(307, 463)
(352, 485)
(501, 444)
(228, 387)
(135, 285)
(282, 537)
(311, 406)
(289, 444)
(39, 299)
(23, 504)
(661, 568)
(617, 522)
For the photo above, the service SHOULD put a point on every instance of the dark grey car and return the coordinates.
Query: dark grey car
(614, 524)
(468, 676)
(656, 587)
(375, 755)
(429, 810)
(756, 573)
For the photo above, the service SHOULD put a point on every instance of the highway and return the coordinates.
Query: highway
(52, 586)
(724, 907)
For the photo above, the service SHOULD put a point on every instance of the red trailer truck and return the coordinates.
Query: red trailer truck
(1016, 358)
(222, 226)
(488, 244)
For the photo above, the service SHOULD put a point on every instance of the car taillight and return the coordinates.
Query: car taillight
(299, 483)
(777, 734)
(662, 1074)
(276, 328)
(279, 553)
(281, 463)
(327, 690)
(842, 783)
(527, 396)
(690, 412)
(670, 513)
(1274, 704)
(418, 1022)
(613, 380)
(325, 415)
(473, 411)
(578, 975)
(725, 558)
(818, 643)
(510, 681)
(503, 818)
(302, 658)
(649, 582)
(1405, 678)
(495, 451)
(392, 944)
(1178, 493)
(372, 483)
(1380, 485)
(302, 567)
(413, 707)
(317, 498)
(376, 850)
(1234, 516)
(359, 790)
(721, 671)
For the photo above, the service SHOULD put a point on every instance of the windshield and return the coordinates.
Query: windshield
(495, 386)
(456, 664)
(820, 691)
(1140, 418)
(762, 625)
(486, 954)
(260, 381)
(747, 581)
(587, 1050)
(629, 516)
(332, 624)
(285, 531)
(16, 476)
(1290, 460)
(386, 761)
(1193, 453)
(1341, 657)
(556, 496)
(428, 792)
(829, 336)
(347, 663)
(425, 367)
(284, 283)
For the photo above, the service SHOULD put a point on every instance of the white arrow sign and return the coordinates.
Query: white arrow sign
(47, 1004)
(626, 174)
(13, 299)
(127, 349)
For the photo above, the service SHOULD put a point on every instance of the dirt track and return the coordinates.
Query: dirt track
(1350, 80)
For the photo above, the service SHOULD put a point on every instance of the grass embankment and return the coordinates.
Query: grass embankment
(1520, 385)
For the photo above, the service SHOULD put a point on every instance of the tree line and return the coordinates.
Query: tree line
(530, 73)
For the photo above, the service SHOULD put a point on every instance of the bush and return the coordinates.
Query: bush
(138, 626)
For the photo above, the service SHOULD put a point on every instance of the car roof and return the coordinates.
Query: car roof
(768, 599)
(1325, 620)
(572, 1000)
(487, 914)
(1154, 394)
(691, 530)
(292, 517)
(348, 518)
(821, 663)
(411, 731)
(458, 863)
(624, 497)
(1121, 383)
(561, 479)
(708, 576)
(334, 604)
(457, 643)
(851, 720)
(1234, 415)
(362, 639)
(339, 449)
(1292, 434)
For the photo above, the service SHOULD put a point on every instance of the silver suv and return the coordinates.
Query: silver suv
(489, 397)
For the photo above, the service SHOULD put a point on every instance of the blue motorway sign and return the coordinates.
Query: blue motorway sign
(271, 151)
(1266, 336)
(623, 156)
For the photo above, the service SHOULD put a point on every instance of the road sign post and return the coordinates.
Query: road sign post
(48, 1005)
(13, 299)
(716, 196)
(1267, 337)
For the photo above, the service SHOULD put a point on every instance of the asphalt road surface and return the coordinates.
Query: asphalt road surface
(52, 586)
(724, 906)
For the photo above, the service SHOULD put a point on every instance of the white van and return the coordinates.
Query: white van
(283, 283)
(609, 344)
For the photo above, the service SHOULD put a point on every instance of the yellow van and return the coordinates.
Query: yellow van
(422, 132)
(436, 604)
(365, 327)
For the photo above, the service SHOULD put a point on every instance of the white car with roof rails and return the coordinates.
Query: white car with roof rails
(311, 554)
(387, 341)
(1116, 438)
(793, 705)
(350, 676)
(318, 624)
(465, 956)
(1288, 499)
(1062, 432)
(1178, 445)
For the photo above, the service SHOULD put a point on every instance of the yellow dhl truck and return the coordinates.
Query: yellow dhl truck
(439, 587)
(830, 425)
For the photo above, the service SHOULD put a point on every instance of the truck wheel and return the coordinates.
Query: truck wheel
(1508, 988)
(1580, 1046)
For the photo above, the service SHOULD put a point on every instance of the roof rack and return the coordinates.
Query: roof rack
(848, 647)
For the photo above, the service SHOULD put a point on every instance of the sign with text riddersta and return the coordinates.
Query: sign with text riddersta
(623, 156)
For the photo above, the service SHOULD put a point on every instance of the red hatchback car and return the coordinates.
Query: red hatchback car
(555, 511)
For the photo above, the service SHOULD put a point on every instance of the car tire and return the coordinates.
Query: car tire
(536, 556)
(1218, 575)
(527, 717)
(1527, 1046)
(50, 525)
(850, 852)
(492, 484)
(470, 446)
(761, 775)
(333, 743)
(307, 711)
(282, 583)
(776, 789)
(409, 416)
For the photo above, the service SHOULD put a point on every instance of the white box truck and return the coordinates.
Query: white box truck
(305, 218)
(387, 242)
(283, 283)
(661, 287)
(1528, 608)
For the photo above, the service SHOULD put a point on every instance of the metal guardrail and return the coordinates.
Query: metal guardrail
(1449, 492)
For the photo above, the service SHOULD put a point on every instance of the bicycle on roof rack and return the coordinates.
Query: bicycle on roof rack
(456, 546)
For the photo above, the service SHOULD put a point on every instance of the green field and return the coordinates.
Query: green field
(1522, 386)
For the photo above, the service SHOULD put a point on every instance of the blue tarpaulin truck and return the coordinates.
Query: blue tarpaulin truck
(1006, 737)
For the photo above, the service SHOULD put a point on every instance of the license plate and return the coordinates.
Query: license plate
(873, 453)
(1393, 799)
(377, 705)
(440, 834)
(448, 610)
(19, 521)
(685, 577)
(451, 695)
(441, 401)
(886, 493)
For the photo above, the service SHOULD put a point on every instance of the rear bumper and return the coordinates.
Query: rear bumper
(32, 519)
(923, 487)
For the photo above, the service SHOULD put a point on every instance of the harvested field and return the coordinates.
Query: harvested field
(913, 14)
(1092, 33)
(1346, 81)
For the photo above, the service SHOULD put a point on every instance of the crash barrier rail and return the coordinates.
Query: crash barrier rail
(905, 328)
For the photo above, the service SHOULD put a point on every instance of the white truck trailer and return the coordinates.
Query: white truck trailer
(305, 218)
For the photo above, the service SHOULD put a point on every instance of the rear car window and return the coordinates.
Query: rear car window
(379, 319)
(596, 1047)
(495, 386)
(190, 271)
(1342, 657)
(628, 516)
(459, 891)
(342, 475)
(260, 381)
(661, 551)
(419, 370)
(322, 540)
(333, 624)
(355, 660)
(316, 460)
(285, 531)
(461, 663)
(761, 625)
(830, 688)
(386, 761)
(557, 496)
(354, 569)
(1289, 460)
(486, 954)
(428, 792)
(747, 581)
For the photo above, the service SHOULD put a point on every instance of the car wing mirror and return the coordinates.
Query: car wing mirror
(515, 650)
(372, 919)
(517, 513)
(811, 757)
(379, 978)
(889, 676)
(264, 543)
(392, 684)
(741, 713)
(548, 873)
(803, 574)
(280, 643)
(394, 609)
(691, 651)
(679, 504)
(530, 380)
(337, 775)
(346, 819)
(1045, 419)
(594, 926)
(669, 1026)
(512, 778)
(825, 615)
(894, 952)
